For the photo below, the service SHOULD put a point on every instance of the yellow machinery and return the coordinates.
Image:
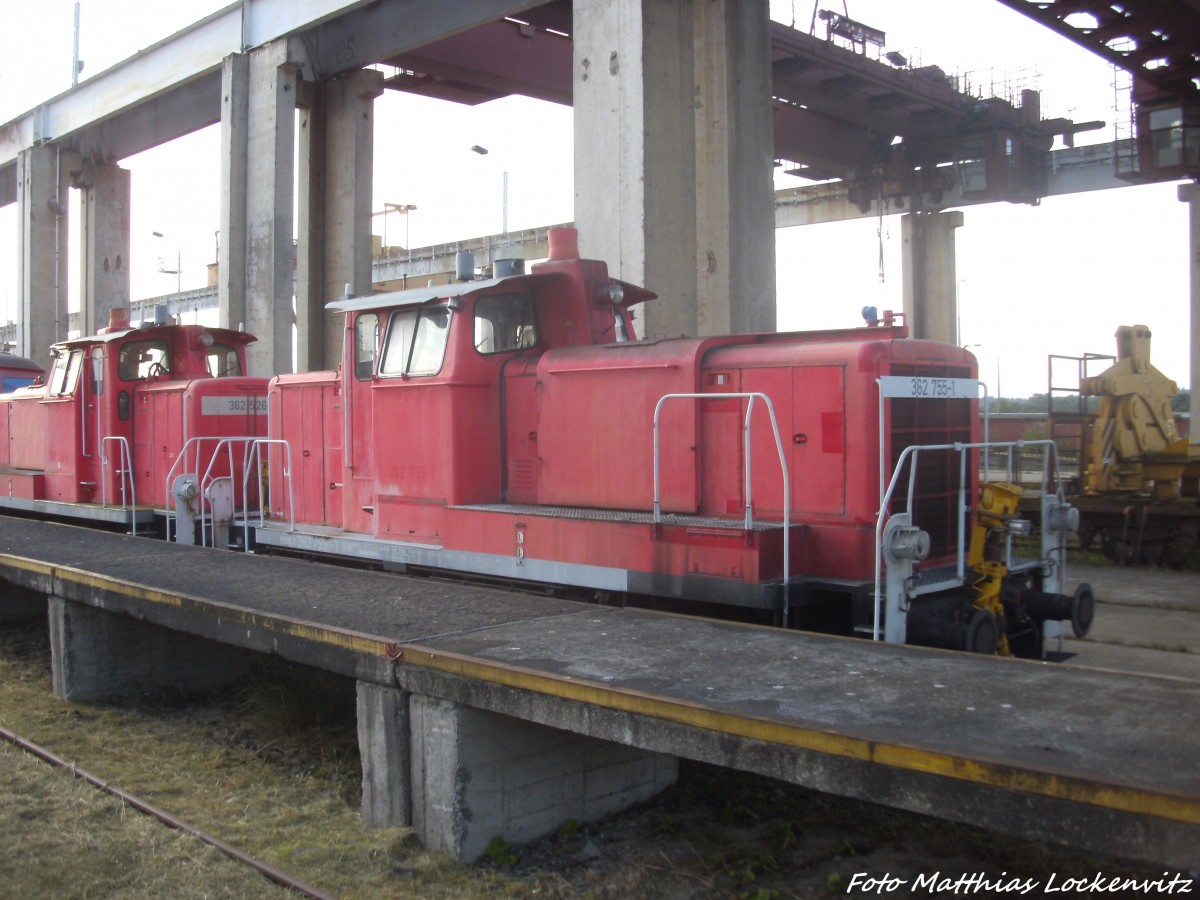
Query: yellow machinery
(1131, 446)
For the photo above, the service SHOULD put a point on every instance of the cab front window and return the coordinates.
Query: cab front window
(143, 359)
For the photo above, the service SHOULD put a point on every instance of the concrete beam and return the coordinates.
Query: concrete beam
(167, 66)
(97, 655)
(105, 208)
(930, 282)
(375, 31)
(336, 157)
(477, 776)
(42, 261)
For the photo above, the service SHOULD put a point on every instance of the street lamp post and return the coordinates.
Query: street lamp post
(177, 271)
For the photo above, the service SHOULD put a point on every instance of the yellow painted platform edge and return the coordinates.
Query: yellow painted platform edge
(1122, 798)
(994, 774)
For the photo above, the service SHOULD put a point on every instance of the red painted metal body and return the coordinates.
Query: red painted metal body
(106, 425)
(505, 427)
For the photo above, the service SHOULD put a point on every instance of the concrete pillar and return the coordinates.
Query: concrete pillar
(336, 160)
(231, 263)
(635, 161)
(735, 197)
(383, 745)
(930, 283)
(42, 262)
(479, 775)
(1190, 194)
(257, 174)
(18, 604)
(104, 208)
(96, 655)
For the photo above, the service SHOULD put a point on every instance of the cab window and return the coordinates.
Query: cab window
(223, 361)
(504, 322)
(143, 359)
(64, 374)
(366, 338)
(416, 342)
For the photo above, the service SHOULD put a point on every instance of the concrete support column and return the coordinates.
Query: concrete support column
(19, 604)
(106, 191)
(1190, 194)
(42, 198)
(337, 127)
(258, 145)
(383, 744)
(231, 263)
(479, 775)
(635, 161)
(930, 283)
(96, 655)
(735, 197)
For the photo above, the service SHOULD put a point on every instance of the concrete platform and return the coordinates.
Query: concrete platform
(1098, 759)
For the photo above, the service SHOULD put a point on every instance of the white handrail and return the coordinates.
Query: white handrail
(750, 397)
(126, 474)
(1050, 464)
(255, 453)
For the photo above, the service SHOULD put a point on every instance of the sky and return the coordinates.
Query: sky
(1055, 278)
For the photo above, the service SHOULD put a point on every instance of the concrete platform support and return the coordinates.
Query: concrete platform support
(258, 135)
(42, 263)
(104, 208)
(478, 775)
(1190, 194)
(19, 604)
(383, 744)
(930, 283)
(336, 157)
(653, 79)
(96, 655)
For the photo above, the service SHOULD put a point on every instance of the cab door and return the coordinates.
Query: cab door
(358, 507)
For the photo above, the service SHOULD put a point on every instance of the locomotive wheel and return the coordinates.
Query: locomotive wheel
(983, 634)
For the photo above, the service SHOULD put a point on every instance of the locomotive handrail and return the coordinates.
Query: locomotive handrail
(207, 479)
(255, 451)
(181, 459)
(749, 396)
(126, 473)
(1050, 463)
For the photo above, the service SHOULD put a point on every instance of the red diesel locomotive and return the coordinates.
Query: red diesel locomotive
(513, 428)
(123, 411)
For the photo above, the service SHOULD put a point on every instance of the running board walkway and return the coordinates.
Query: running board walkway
(485, 713)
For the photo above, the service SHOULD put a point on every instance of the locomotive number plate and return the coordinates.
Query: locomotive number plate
(923, 387)
(232, 406)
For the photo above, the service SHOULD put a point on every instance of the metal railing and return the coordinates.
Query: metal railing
(1049, 472)
(750, 396)
(124, 472)
(253, 463)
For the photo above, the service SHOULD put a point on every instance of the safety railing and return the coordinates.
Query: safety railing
(911, 457)
(181, 465)
(124, 473)
(750, 397)
(253, 463)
